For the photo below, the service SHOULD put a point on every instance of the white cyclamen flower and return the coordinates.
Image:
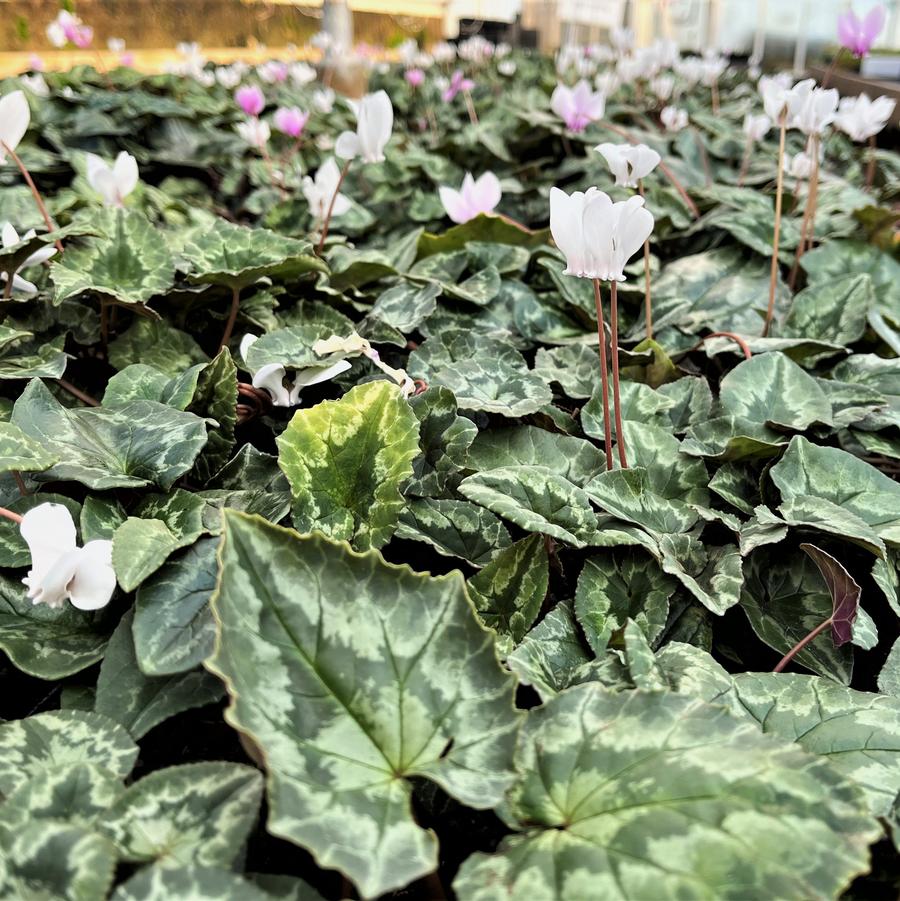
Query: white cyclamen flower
(756, 127)
(473, 198)
(255, 132)
(374, 123)
(10, 238)
(673, 118)
(36, 83)
(861, 118)
(597, 236)
(798, 166)
(662, 86)
(775, 92)
(629, 163)
(15, 117)
(356, 345)
(61, 570)
(319, 192)
(113, 183)
(811, 109)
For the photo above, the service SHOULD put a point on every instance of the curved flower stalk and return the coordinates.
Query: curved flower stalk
(14, 282)
(861, 119)
(755, 129)
(597, 238)
(323, 194)
(284, 392)
(113, 183)
(60, 570)
(356, 345)
(631, 164)
(473, 198)
(673, 118)
(15, 117)
(577, 106)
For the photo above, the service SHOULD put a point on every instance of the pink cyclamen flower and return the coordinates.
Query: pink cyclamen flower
(291, 121)
(250, 99)
(79, 35)
(414, 77)
(474, 198)
(578, 106)
(858, 35)
(127, 59)
(458, 82)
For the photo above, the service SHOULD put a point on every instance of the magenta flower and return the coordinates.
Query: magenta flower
(458, 82)
(858, 35)
(79, 35)
(414, 77)
(250, 99)
(291, 121)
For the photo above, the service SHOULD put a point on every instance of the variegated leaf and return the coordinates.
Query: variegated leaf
(353, 675)
(346, 461)
(21, 453)
(653, 795)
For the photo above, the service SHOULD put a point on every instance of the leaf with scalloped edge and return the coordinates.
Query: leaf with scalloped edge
(197, 813)
(129, 263)
(638, 794)
(346, 461)
(353, 675)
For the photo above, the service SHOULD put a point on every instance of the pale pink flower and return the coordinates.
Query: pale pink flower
(290, 120)
(473, 198)
(858, 35)
(414, 77)
(250, 99)
(458, 82)
(578, 106)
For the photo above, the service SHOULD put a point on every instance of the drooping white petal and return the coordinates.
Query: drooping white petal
(643, 161)
(246, 343)
(22, 285)
(633, 224)
(598, 228)
(94, 580)
(270, 378)
(49, 532)
(348, 146)
(10, 235)
(617, 160)
(313, 376)
(39, 256)
(15, 117)
(126, 174)
(375, 123)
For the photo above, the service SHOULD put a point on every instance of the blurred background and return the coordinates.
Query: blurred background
(779, 30)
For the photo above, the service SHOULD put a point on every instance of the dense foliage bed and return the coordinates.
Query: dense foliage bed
(369, 641)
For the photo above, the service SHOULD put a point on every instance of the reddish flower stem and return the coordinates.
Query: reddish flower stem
(617, 401)
(8, 514)
(873, 163)
(801, 645)
(327, 221)
(745, 348)
(232, 316)
(77, 392)
(648, 306)
(604, 377)
(779, 191)
(34, 191)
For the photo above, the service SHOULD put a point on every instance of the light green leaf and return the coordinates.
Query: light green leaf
(159, 883)
(352, 675)
(653, 795)
(199, 813)
(216, 398)
(129, 263)
(346, 461)
(21, 453)
(713, 575)
(834, 311)
(154, 342)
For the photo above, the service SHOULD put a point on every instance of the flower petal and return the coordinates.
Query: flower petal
(15, 117)
(94, 580)
(49, 532)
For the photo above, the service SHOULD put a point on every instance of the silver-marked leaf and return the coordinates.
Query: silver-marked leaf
(772, 390)
(509, 591)
(346, 461)
(834, 311)
(572, 458)
(484, 373)
(55, 860)
(129, 263)
(216, 398)
(198, 813)
(44, 641)
(693, 402)
(444, 439)
(639, 403)
(142, 443)
(617, 586)
(78, 794)
(156, 343)
(226, 254)
(574, 367)
(140, 702)
(406, 306)
(729, 438)
(173, 626)
(535, 499)
(100, 517)
(630, 795)
(810, 471)
(161, 524)
(713, 575)
(454, 528)
(351, 675)
(159, 883)
(51, 741)
(20, 453)
(785, 599)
